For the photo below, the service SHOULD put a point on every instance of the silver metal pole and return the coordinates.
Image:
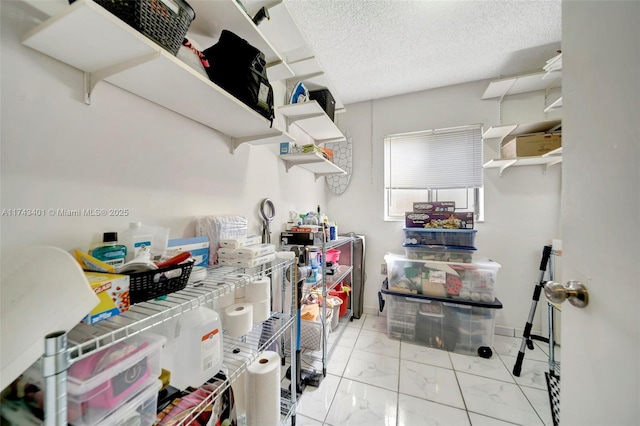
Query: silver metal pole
(55, 363)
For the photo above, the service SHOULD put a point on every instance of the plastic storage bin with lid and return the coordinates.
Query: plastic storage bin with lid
(99, 384)
(440, 253)
(457, 326)
(445, 237)
(140, 410)
(473, 281)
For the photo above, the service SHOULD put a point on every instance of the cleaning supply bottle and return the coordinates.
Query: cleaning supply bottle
(136, 238)
(198, 349)
(110, 252)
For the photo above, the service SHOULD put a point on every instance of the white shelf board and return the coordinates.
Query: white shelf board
(312, 119)
(112, 50)
(89, 38)
(521, 84)
(281, 30)
(313, 162)
(505, 163)
(311, 73)
(214, 16)
(266, 139)
(512, 130)
(191, 95)
(555, 105)
(277, 71)
(554, 153)
(498, 131)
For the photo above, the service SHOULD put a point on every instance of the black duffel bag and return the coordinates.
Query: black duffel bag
(241, 69)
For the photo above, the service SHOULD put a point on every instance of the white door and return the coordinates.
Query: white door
(600, 373)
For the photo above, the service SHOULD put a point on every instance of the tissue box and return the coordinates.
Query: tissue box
(113, 292)
(198, 246)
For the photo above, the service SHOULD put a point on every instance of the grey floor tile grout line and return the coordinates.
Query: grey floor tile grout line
(451, 366)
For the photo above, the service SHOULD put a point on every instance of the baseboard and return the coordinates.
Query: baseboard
(505, 331)
(372, 311)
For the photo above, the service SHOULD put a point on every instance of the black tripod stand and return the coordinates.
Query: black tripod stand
(527, 336)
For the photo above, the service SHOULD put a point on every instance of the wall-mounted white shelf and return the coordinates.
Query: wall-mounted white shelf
(312, 74)
(214, 16)
(285, 35)
(88, 37)
(509, 131)
(552, 66)
(311, 119)
(545, 161)
(554, 106)
(522, 84)
(314, 162)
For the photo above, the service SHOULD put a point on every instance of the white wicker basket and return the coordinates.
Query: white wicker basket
(311, 332)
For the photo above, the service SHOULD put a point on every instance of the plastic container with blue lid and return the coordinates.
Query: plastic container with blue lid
(440, 253)
(444, 237)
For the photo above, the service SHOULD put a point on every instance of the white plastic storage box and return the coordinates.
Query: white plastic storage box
(311, 332)
(101, 383)
(473, 281)
(140, 410)
(444, 237)
(440, 253)
(463, 327)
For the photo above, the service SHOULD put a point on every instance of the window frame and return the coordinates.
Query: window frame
(474, 194)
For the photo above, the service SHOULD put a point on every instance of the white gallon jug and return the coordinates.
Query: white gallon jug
(197, 349)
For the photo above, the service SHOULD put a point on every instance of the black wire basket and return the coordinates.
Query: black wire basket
(164, 21)
(148, 285)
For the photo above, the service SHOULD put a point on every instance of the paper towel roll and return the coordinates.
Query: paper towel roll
(240, 292)
(258, 290)
(263, 390)
(261, 310)
(238, 319)
(239, 394)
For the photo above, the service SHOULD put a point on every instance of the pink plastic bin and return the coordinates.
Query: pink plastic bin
(333, 255)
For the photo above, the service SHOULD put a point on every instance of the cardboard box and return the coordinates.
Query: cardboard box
(458, 220)
(113, 292)
(434, 206)
(531, 145)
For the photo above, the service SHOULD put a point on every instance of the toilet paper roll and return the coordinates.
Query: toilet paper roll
(240, 292)
(226, 300)
(263, 390)
(238, 319)
(258, 290)
(261, 310)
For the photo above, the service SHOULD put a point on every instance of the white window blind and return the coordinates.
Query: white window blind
(435, 159)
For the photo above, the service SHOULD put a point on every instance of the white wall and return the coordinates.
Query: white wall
(120, 152)
(521, 208)
(125, 152)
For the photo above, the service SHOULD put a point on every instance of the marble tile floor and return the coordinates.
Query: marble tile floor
(374, 380)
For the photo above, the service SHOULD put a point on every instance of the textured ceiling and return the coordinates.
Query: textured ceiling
(378, 48)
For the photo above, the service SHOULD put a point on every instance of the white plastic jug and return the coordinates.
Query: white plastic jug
(198, 348)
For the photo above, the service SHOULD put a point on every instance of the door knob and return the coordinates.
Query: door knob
(575, 291)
